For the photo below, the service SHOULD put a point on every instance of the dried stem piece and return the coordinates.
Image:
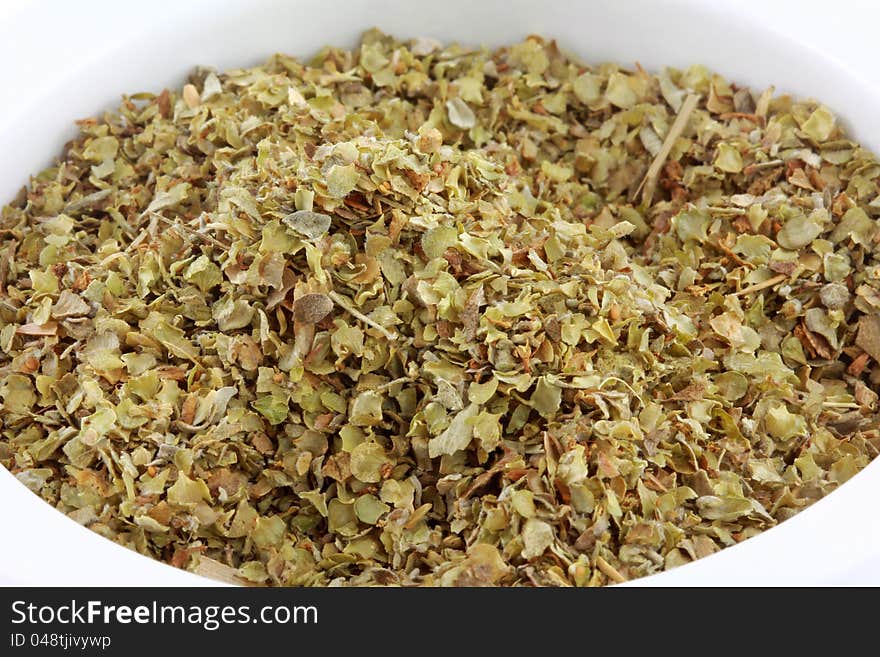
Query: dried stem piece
(190, 231)
(346, 305)
(609, 571)
(770, 282)
(649, 183)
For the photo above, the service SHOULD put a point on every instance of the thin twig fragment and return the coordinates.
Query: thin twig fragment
(649, 183)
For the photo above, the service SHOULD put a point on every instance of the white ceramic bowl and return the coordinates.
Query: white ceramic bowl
(70, 60)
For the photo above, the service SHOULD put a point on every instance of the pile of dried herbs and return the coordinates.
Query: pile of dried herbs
(425, 315)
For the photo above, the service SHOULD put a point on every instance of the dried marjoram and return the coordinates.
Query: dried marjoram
(425, 315)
